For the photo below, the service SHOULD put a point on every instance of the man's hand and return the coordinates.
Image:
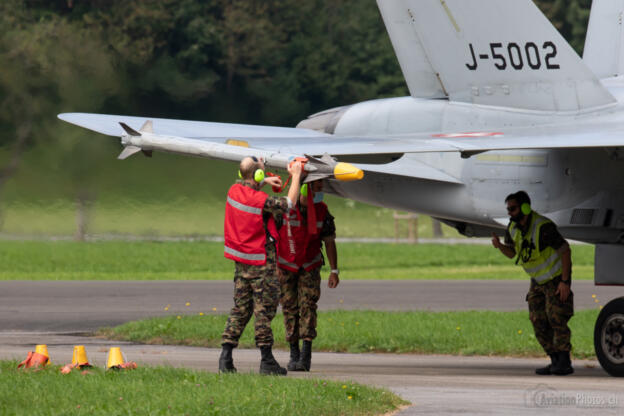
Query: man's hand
(273, 181)
(563, 290)
(295, 169)
(333, 281)
(496, 241)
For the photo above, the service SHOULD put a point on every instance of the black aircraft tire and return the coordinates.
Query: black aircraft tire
(609, 337)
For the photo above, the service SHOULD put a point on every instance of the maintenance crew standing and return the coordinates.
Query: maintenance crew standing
(545, 256)
(250, 234)
(300, 259)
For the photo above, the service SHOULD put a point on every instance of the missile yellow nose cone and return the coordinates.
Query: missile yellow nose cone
(347, 172)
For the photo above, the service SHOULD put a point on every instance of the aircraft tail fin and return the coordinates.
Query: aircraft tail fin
(491, 52)
(422, 80)
(604, 43)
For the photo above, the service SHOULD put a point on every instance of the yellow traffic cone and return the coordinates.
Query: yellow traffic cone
(79, 359)
(115, 358)
(43, 350)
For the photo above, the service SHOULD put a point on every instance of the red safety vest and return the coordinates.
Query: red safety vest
(300, 249)
(244, 232)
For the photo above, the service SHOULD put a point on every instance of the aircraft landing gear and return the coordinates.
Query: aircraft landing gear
(609, 337)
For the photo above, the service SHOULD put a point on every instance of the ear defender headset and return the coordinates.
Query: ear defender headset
(525, 208)
(258, 174)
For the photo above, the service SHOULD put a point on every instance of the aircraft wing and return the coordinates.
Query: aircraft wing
(291, 142)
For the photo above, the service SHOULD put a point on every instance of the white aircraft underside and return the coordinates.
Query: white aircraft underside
(499, 102)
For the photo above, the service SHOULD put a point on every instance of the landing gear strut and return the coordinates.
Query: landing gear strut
(609, 337)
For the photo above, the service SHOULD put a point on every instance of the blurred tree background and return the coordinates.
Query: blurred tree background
(247, 61)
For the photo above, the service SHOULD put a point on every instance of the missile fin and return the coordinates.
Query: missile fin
(148, 127)
(128, 151)
(129, 130)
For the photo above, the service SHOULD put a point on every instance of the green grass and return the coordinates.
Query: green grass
(168, 391)
(183, 216)
(118, 260)
(463, 333)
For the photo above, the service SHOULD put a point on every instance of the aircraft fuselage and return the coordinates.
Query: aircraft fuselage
(580, 189)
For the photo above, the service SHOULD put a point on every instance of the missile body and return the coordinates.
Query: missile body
(234, 150)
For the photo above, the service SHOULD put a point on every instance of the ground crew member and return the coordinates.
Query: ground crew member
(300, 261)
(545, 256)
(249, 234)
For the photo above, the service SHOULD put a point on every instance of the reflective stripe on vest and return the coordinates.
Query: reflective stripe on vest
(315, 260)
(283, 262)
(555, 270)
(240, 254)
(543, 265)
(243, 207)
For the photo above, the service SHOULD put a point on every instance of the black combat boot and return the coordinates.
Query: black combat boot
(268, 364)
(294, 356)
(563, 366)
(305, 360)
(546, 371)
(226, 363)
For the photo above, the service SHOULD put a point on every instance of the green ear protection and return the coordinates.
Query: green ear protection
(304, 190)
(525, 208)
(258, 175)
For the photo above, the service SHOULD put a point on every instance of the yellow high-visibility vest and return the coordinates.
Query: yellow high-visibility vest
(543, 265)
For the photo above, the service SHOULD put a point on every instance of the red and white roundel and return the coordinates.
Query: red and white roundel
(472, 134)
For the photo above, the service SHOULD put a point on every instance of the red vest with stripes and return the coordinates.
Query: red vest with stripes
(300, 249)
(244, 231)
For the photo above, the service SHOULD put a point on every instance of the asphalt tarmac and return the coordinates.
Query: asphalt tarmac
(83, 306)
(53, 313)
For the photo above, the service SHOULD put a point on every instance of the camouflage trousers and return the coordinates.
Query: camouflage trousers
(550, 316)
(300, 293)
(257, 291)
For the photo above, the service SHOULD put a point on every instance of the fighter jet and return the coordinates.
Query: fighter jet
(499, 102)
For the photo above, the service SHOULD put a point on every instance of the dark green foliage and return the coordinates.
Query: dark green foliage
(251, 61)
(570, 17)
(265, 62)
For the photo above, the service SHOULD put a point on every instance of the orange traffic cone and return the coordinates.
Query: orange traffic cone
(38, 358)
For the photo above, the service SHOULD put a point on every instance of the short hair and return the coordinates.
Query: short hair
(521, 197)
(248, 167)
